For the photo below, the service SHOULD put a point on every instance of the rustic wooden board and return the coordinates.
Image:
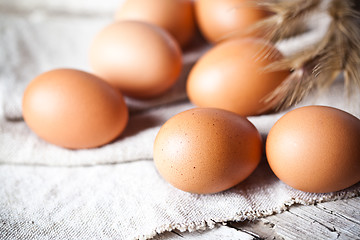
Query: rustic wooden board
(331, 220)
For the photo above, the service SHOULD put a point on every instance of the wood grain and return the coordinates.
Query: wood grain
(330, 220)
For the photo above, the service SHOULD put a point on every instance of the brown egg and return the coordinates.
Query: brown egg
(230, 77)
(315, 149)
(175, 16)
(207, 150)
(222, 19)
(74, 109)
(140, 59)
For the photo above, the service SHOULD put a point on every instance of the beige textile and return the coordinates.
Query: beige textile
(112, 192)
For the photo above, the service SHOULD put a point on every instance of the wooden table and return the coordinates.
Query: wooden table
(330, 220)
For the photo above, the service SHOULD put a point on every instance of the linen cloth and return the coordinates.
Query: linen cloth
(113, 192)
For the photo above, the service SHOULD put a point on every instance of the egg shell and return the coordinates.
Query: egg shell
(175, 16)
(219, 20)
(315, 149)
(231, 76)
(140, 59)
(74, 109)
(207, 150)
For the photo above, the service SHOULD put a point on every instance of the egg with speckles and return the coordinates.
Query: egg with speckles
(207, 150)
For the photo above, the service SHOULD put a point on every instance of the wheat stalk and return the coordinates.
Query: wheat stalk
(317, 66)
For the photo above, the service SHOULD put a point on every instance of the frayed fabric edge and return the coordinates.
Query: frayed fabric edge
(208, 224)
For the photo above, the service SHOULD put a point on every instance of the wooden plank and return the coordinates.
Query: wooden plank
(219, 232)
(292, 225)
(331, 220)
(348, 209)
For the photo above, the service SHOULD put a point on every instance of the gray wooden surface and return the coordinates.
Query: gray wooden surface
(330, 220)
